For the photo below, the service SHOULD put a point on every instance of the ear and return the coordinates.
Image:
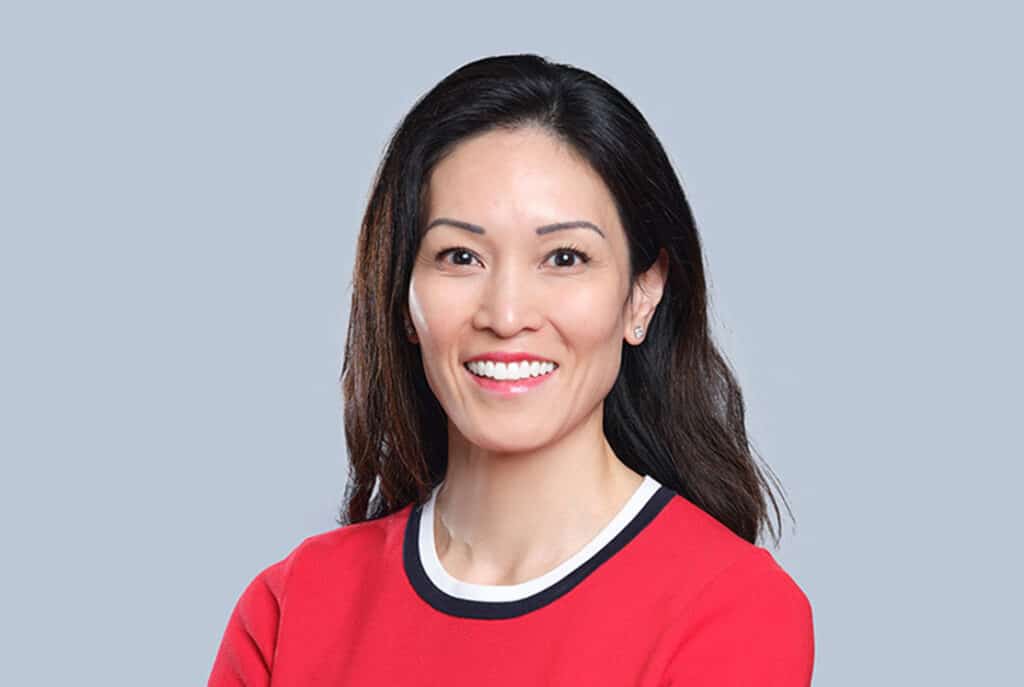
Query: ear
(410, 331)
(646, 296)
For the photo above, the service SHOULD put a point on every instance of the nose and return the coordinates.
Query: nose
(511, 300)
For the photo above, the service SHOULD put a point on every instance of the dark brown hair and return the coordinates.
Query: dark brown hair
(675, 412)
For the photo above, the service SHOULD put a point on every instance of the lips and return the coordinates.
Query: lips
(510, 387)
(509, 357)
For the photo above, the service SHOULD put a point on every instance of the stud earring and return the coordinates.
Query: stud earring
(638, 332)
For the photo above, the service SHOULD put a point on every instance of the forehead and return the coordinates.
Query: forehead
(518, 178)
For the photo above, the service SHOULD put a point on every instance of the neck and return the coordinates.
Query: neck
(504, 518)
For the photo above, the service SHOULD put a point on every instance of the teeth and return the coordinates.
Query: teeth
(512, 371)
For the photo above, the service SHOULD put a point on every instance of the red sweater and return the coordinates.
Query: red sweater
(664, 595)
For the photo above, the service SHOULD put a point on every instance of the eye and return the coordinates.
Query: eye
(462, 253)
(571, 250)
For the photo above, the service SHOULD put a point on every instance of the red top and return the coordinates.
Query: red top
(664, 595)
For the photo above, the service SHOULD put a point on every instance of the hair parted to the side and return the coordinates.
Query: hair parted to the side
(675, 411)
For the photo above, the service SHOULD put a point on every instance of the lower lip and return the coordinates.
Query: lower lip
(510, 387)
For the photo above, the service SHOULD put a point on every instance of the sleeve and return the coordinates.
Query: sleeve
(751, 625)
(246, 652)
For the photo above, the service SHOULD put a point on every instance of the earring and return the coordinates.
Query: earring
(638, 332)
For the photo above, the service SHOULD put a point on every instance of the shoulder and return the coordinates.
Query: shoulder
(750, 624)
(755, 588)
(737, 601)
(694, 544)
(711, 568)
(249, 645)
(347, 550)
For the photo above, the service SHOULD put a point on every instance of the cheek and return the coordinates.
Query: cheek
(591, 318)
(591, 322)
(437, 312)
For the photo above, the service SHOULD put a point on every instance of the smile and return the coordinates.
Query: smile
(511, 387)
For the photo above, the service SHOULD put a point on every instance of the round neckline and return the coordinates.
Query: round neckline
(451, 595)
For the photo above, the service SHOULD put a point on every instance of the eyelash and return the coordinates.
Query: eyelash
(584, 258)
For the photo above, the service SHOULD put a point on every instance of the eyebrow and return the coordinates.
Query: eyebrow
(545, 229)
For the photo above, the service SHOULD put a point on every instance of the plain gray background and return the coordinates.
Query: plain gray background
(182, 185)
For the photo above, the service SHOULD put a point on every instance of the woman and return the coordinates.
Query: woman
(550, 481)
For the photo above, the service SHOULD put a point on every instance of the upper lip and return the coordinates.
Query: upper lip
(508, 357)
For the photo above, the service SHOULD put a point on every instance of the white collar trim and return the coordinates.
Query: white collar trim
(513, 592)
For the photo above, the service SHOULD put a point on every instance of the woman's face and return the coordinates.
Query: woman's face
(502, 286)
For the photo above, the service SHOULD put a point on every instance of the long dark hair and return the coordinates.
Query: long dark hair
(675, 412)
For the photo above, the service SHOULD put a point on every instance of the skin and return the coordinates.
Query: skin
(531, 479)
